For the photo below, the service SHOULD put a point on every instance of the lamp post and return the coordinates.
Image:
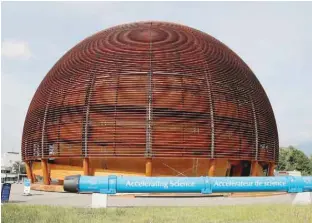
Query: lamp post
(19, 171)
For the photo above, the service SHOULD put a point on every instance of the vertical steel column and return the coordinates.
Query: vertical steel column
(212, 123)
(64, 93)
(274, 152)
(45, 172)
(256, 127)
(183, 125)
(43, 124)
(85, 164)
(59, 133)
(115, 112)
(149, 112)
(208, 81)
(86, 122)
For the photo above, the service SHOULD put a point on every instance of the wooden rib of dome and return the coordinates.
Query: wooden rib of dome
(150, 89)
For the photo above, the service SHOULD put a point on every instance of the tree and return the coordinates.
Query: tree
(282, 162)
(291, 159)
(19, 166)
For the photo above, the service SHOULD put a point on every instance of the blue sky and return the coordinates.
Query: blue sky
(273, 38)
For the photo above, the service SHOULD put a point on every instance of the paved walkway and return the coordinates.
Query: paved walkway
(49, 198)
(84, 200)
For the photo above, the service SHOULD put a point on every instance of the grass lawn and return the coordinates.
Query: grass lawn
(243, 214)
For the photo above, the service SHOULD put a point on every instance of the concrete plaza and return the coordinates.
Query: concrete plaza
(84, 200)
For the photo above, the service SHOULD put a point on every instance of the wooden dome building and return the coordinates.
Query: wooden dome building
(149, 98)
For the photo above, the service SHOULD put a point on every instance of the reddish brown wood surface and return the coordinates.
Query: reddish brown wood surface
(45, 172)
(205, 101)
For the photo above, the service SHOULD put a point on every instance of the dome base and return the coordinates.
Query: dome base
(59, 169)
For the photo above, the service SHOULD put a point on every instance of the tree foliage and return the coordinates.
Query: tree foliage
(19, 166)
(291, 159)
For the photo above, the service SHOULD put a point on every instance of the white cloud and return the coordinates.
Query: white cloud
(16, 97)
(15, 49)
(275, 44)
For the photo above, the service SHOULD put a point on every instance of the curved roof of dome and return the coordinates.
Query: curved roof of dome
(154, 75)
